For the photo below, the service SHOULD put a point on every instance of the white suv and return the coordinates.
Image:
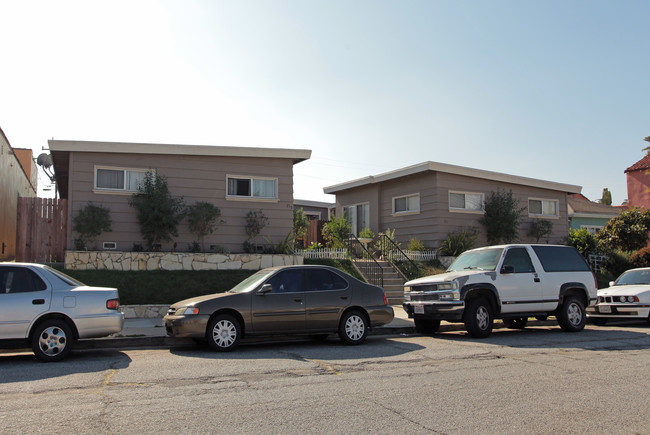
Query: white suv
(509, 282)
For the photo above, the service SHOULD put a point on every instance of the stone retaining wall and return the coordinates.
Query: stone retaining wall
(144, 311)
(141, 261)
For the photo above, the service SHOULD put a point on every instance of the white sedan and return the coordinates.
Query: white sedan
(626, 298)
(49, 310)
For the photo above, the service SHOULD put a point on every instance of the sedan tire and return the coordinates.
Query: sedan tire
(52, 340)
(224, 333)
(353, 328)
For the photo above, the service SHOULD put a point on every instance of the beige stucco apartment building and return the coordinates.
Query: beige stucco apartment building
(18, 177)
(235, 179)
(430, 200)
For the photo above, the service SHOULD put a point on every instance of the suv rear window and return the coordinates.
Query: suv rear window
(561, 259)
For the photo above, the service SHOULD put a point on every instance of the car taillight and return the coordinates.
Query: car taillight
(385, 300)
(113, 304)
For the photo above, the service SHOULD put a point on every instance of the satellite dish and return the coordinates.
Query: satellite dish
(44, 160)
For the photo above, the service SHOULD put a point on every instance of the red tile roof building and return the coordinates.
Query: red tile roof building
(638, 183)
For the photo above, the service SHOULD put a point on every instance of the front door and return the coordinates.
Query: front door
(23, 297)
(282, 310)
(519, 284)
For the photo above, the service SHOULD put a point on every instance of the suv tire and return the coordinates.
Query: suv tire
(478, 318)
(571, 316)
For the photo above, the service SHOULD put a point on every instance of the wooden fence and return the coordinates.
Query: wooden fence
(41, 230)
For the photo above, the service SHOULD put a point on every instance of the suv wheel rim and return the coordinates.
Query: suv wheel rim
(574, 314)
(355, 327)
(224, 333)
(52, 341)
(482, 317)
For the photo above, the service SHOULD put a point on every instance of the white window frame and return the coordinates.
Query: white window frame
(542, 214)
(250, 197)
(407, 211)
(125, 191)
(466, 210)
(593, 229)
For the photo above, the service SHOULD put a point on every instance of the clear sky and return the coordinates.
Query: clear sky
(555, 90)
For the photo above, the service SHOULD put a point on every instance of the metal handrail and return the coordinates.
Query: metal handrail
(396, 256)
(364, 260)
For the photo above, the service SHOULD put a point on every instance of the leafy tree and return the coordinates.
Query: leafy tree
(540, 228)
(203, 218)
(90, 222)
(158, 212)
(337, 231)
(502, 217)
(647, 149)
(607, 197)
(628, 231)
(584, 241)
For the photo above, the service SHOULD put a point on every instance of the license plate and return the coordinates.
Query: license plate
(419, 309)
(604, 309)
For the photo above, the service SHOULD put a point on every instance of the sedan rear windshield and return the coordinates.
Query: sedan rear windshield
(65, 278)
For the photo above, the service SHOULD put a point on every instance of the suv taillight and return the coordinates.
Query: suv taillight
(595, 279)
(113, 304)
(385, 300)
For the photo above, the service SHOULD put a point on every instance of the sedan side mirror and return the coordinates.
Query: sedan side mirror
(265, 289)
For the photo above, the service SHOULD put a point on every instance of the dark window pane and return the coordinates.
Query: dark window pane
(287, 281)
(321, 279)
(561, 259)
(519, 259)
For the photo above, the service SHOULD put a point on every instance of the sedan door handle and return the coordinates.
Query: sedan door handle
(38, 301)
(298, 300)
(536, 280)
(344, 297)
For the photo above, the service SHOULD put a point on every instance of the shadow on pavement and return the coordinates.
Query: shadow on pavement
(301, 348)
(22, 367)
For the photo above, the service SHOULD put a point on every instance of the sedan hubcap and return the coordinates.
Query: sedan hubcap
(52, 341)
(355, 327)
(224, 333)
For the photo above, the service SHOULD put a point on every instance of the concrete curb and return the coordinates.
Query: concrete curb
(149, 342)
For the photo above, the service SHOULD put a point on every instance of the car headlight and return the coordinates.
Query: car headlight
(453, 285)
(449, 296)
(407, 289)
(187, 311)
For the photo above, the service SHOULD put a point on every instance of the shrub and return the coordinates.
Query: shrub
(157, 211)
(203, 218)
(366, 233)
(89, 223)
(617, 263)
(501, 217)
(641, 258)
(584, 241)
(336, 232)
(256, 220)
(628, 231)
(540, 228)
(458, 242)
(416, 245)
(300, 223)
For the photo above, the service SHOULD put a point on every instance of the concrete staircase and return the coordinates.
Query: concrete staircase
(393, 283)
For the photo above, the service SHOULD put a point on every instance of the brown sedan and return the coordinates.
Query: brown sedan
(313, 300)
